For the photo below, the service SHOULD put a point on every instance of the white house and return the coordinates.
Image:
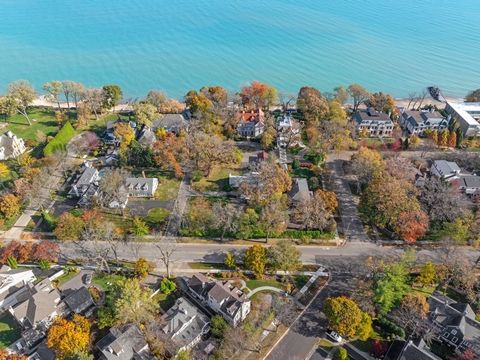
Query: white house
(11, 282)
(222, 297)
(377, 124)
(11, 146)
(467, 115)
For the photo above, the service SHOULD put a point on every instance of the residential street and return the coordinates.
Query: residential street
(302, 338)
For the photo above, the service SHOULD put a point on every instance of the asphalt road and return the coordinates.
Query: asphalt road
(301, 341)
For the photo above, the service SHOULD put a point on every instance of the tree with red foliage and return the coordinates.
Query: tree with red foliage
(412, 225)
(379, 348)
(46, 250)
(466, 355)
(397, 145)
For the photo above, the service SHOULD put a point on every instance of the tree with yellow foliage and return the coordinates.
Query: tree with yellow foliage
(9, 205)
(4, 170)
(125, 134)
(69, 337)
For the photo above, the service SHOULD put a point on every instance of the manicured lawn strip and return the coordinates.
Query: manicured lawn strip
(105, 281)
(66, 277)
(253, 284)
(43, 120)
(156, 217)
(124, 223)
(9, 330)
(206, 266)
(9, 222)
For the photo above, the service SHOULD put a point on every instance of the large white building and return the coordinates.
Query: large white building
(467, 116)
(11, 146)
(11, 282)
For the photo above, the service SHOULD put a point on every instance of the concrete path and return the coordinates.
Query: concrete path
(265, 288)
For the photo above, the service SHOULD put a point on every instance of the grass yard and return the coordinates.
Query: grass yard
(6, 224)
(9, 330)
(157, 217)
(300, 280)
(425, 291)
(253, 284)
(123, 223)
(42, 120)
(302, 173)
(217, 180)
(167, 188)
(66, 277)
(206, 266)
(105, 281)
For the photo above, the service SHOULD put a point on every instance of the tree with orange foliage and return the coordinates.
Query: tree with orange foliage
(329, 198)
(45, 250)
(9, 205)
(452, 139)
(4, 355)
(170, 151)
(69, 337)
(258, 95)
(412, 225)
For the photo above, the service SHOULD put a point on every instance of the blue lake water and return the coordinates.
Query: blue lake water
(176, 45)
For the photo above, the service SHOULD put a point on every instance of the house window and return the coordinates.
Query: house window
(454, 332)
(454, 340)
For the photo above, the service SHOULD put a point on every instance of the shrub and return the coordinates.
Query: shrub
(167, 286)
(12, 262)
(218, 326)
(44, 264)
(391, 327)
(48, 220)
(295, 164)
(340, 354)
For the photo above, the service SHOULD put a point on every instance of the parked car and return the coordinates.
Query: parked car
(87, 279)
(334, 336)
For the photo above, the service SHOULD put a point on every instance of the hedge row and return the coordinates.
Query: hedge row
(258, 234)
(391, 327)
(60, 141)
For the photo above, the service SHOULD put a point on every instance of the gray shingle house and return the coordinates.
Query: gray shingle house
(173, 123)
(124, 343)
(300, 191)
(417, 122)
(221, 296)
(11, 146)
(185, 325)
(455, 323)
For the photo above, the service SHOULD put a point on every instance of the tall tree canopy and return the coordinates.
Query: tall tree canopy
(258, 95)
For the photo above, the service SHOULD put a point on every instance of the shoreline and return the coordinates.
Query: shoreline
(42, 101)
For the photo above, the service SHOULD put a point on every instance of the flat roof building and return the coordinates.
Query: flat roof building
(467, 116)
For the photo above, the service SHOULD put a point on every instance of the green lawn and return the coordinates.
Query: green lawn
(167, 188)
(157, 217)
(253, 284)
(9, 330)
(425, 291)
(104, 281)
(123, 223)
(216, 181)
(206, 266)
(302, 173)
(6, 224)
(66, 277)
(42, 120)
(300, 280)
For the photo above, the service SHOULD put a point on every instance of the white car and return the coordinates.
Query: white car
(334, 336)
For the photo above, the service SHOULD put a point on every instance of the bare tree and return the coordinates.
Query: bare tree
(93, 99)
(422, 97)
(112, 186)
(411, 97)
(167, 250)
(226, 216)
